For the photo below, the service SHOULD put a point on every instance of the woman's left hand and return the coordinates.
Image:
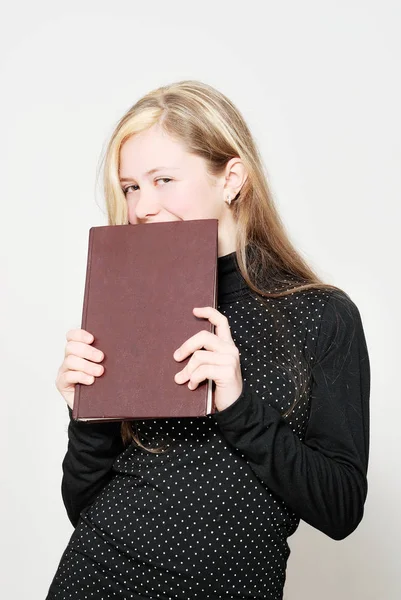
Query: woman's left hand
(219, 361)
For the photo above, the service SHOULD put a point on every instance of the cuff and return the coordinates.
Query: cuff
(236, 411)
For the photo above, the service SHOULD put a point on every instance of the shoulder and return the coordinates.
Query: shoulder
(329, 317)
(340, 325)
(340, 312)
(329, 305)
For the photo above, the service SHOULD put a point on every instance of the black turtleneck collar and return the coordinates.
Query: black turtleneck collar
(231, 284)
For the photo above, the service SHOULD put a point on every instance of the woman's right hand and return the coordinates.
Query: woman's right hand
(79, 364)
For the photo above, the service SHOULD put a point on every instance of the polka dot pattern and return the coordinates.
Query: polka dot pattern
(196, 522)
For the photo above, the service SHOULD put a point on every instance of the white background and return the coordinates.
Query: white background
(319, 85)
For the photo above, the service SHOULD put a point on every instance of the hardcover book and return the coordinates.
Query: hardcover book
(142, 282)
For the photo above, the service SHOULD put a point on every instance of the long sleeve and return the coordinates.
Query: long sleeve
(92, 449)
(324, 477)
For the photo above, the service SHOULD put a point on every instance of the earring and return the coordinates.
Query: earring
(228, 200)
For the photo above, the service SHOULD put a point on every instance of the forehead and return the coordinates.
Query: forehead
(154, 147)
(148, 149)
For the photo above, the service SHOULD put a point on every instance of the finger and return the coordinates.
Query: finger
(201, 357)
(219, 320)
(71, 377)
(84, 350)
(204, 339)
(75, 363)
(79, 335)
(214, 372)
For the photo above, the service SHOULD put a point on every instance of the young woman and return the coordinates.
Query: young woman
(202, 507)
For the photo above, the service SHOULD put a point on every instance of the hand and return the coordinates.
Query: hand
(220, 361)
(75, 368)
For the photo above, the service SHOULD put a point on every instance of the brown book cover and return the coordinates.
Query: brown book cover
(142, 282)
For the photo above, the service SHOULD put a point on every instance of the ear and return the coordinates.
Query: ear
(235, 177)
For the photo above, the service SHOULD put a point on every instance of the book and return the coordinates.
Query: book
(142, 283)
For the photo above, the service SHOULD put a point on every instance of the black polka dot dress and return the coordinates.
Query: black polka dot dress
(210, 518)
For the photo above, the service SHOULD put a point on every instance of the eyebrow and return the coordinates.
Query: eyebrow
(122, 179)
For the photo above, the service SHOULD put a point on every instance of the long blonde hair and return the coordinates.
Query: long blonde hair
(208, 124)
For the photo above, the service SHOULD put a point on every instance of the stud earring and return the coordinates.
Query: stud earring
(228, 200)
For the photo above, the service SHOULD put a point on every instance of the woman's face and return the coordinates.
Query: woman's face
(178, 189)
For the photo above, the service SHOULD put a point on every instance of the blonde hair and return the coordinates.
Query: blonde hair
(208, 124)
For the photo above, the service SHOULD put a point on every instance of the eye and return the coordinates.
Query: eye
(126, 189)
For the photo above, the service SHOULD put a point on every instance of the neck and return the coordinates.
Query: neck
(227, 234)
(231, 285)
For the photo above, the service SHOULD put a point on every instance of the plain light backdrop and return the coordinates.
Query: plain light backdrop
(319, 85)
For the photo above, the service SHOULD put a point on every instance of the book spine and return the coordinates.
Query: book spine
(78, 386)
(210, 404)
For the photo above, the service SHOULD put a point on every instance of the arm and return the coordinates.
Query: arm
(92, 449)
(323, 479)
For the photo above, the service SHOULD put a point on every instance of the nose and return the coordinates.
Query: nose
(144, 206)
